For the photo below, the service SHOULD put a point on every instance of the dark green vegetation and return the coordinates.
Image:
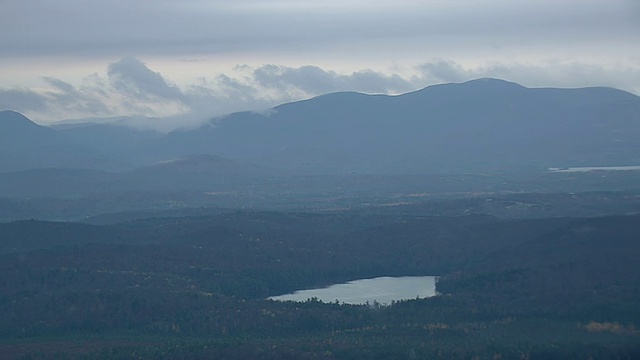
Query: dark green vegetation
(73, 195)
(175, 240)
(193, 287)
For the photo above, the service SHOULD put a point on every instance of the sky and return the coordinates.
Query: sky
(193, 60)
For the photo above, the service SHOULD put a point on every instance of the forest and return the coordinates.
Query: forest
(168, 169)
(195, 286)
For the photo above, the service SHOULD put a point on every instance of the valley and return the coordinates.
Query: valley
(120, 243)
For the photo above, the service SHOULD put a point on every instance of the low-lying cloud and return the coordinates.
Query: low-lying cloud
(130, 88)
(315, 80)
(551, 74)
(132, 77)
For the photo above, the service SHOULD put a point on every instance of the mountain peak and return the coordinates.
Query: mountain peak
(14, 123)
(491, 82)
(10, 115)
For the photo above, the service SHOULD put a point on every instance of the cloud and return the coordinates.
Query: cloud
(57, 98)
(22, 100)
(161, 27)
(315, 80)
(536, 43)
(547, 74)
(66, 96)
(130, 88)
(444, 71)
(132, 77)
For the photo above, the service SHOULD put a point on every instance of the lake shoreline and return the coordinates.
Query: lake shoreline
(380, 290)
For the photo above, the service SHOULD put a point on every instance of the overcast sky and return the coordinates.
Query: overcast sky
(83, 58)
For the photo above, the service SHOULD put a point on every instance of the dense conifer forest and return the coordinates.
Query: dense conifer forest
(194, 287)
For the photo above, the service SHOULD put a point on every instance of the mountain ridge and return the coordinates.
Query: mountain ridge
(471, 123)
(480, 125)
(15, 127)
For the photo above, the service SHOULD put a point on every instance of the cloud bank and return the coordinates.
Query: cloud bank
(69, 58)
(129, 87)
(152, 27)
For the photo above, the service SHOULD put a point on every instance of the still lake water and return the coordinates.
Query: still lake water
(595, 168)
(382, 289)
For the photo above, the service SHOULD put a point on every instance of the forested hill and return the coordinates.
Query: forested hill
(485, 125)
(198, 284)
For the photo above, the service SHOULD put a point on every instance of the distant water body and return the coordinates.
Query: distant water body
(595, 168)
(382, 290)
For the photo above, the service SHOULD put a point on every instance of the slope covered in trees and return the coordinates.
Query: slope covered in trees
(194, 287)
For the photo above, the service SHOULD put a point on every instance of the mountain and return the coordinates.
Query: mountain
(481, 125)
(16, 127)
(121, 144)
(484, 125)
(22, 141)
(26, 145)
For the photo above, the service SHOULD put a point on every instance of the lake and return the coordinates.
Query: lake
(384, 290)
(595, 168)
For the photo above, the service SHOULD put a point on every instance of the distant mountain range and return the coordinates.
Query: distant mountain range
(26, 145)
(485, 125)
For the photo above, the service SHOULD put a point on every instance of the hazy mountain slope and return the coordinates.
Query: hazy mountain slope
(18, 135)
(121, 143)
(18, 129)
(485, 125)
(25, 145)
(480, 125)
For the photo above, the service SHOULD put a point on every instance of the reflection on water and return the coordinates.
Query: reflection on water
(382, 290)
